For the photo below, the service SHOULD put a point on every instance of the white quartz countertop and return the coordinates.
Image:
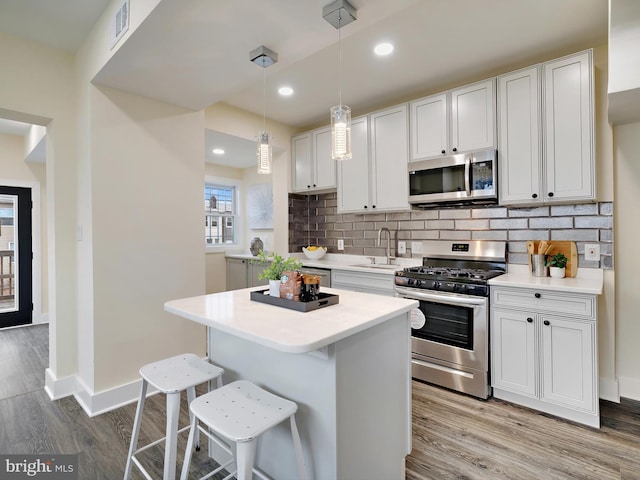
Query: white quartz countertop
(289, 330)
(356, 263)
(588, 280)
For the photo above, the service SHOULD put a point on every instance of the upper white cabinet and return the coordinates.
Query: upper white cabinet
(429, 127)
(376, 178)
(454, 122)
(314, 169)
(545, 135)
(473, 117)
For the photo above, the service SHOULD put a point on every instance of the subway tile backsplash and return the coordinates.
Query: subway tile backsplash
(313, 220)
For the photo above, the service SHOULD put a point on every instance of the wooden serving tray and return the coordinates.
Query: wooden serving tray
(324, 300)
(562, 246)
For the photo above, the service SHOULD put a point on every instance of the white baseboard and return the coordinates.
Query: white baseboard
(42, 318)
(58, 388)
(609, 390)
(629, 387)
(97, 403)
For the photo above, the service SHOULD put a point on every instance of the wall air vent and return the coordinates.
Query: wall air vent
(119, 23)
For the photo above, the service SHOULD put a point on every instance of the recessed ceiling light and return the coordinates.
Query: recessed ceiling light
(285, 91)
(218, 151)
(383, 49)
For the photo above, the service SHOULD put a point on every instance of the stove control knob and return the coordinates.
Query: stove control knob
(410, 281)
(418, 283)
(436, 285)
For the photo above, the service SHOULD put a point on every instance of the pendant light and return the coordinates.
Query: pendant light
(264, 57)
(338, 14)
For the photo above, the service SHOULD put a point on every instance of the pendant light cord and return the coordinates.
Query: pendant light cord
(340, 61)
(264, 97)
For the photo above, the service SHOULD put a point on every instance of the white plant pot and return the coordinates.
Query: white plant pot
(556, 272)
(274, 288)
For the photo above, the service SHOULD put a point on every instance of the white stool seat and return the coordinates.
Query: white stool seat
(170, 376)
(240, 412)
(178, 373)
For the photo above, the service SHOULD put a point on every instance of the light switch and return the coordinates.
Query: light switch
(340, 244)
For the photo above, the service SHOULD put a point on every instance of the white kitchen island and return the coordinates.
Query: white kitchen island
(347, 366)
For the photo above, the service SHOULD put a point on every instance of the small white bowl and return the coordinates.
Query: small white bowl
(314, 254)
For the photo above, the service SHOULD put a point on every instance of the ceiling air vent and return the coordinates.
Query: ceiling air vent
(119, 23)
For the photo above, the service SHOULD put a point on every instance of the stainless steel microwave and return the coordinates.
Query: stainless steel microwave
(457, 179)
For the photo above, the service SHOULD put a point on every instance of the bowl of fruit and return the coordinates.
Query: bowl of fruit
(313, 252)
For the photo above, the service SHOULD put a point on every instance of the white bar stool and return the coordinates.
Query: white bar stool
(170, 376)
(241, 412)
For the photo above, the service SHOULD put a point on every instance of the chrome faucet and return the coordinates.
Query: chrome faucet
(384, 229)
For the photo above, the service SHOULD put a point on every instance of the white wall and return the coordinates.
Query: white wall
(627, 232)
(234, 121)
(38, 87)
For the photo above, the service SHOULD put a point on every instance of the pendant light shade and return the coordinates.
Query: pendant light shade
(338, 14)
(264, 57)
(264, 153)
(340, 132)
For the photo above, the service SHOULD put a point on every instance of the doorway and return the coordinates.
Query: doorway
(16, 256)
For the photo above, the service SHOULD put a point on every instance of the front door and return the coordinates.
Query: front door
(15, 256)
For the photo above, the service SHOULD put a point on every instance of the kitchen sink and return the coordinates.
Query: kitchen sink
(380, 266)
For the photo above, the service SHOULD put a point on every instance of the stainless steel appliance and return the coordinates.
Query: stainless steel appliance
(463, 178)
(451, 349)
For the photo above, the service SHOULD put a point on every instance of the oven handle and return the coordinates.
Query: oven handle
(452, 300)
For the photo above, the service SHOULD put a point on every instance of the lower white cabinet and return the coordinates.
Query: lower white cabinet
(242, 273)
(380, 283)
(544, 356)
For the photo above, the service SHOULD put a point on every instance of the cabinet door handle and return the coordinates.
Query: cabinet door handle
(529, 319)
(308, 186)
(455, 149)
(546, 322)
(373, 206)
(314, 184)
(537, 295)
(551, 194)
(535, 195)
(443, 152)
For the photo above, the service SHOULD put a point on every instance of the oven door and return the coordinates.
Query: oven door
(455, 330)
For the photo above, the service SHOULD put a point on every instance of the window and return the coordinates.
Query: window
(219, 214)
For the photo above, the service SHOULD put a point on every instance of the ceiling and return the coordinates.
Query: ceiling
(196, 53)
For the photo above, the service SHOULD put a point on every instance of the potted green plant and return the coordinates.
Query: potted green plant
(275, 265)
(557, 265)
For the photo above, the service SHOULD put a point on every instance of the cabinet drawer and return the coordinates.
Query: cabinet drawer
(573, 304)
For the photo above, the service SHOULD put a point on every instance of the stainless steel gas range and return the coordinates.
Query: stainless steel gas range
(451, 349)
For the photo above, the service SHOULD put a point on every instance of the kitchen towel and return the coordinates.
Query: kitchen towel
(417, 318)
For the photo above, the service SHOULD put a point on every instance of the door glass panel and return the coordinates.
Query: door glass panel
(446, 324)
(8, 253)
(437, 180)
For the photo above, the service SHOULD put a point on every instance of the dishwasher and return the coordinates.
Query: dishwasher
(323, 273)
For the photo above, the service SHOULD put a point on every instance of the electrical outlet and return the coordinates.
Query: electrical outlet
(416, 247)
(402, 247)
(340, 244)
(592, 251)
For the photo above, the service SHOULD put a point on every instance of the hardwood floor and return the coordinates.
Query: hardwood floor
(454, 436)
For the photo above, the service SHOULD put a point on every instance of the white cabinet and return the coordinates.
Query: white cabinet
(545, 138)
(314, 169)
(376, 177)
(243, 273)
(544, 353)
(473, 117)
(353, 174)
(454, 122)
(236, 273)
(429, 127)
